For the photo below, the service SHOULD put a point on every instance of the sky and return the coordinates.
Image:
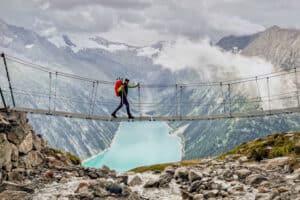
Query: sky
(144, 22)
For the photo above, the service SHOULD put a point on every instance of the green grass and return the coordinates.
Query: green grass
(74, 159)
(161, 167)
(275, 145)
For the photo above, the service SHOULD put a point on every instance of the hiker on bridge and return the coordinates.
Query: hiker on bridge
(121, 89)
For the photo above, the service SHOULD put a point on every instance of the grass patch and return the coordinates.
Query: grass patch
(161, 167)
(272, 146)
(55, 151)
(74, 159)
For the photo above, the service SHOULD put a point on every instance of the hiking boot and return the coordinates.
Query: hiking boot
(114, 115)
(130, 117)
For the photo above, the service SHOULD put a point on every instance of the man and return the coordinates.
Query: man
(123, 92)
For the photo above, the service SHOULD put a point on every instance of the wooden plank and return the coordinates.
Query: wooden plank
(159, 118)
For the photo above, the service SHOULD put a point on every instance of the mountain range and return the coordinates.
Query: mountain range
(100, 59)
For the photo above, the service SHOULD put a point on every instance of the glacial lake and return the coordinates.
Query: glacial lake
(138, 144)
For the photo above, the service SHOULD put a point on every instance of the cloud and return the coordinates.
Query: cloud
(192, 19)
(210, 60)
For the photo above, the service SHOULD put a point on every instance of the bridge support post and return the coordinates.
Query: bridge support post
(50, 90)
(180, 106)
(176, 99)
(3, 100)
(91, 99)
(8, 78)
(139, 99)
(223, 97)
(95, 97)
(229, 97)
(269, 94)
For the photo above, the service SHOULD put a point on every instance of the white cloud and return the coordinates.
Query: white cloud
(152, 20)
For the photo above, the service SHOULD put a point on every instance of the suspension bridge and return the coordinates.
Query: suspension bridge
(37, 89)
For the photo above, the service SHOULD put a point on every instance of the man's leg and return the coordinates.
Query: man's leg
(125, 101)
(118, 108)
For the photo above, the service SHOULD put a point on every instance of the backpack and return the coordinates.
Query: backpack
(117, 85)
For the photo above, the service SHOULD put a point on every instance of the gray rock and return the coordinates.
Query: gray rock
(15, 187)
(32, 159)
(134, 196)
(17, 135)
(169, 170)
(193, 176)
(165, 179)
(100, 192)
(243, 173)
(123, 179)
(198, 197)
(151, 184)
(136, 180)
(14, 195)
(115, 189)
(228, 175)
(255, 179)
(27, 144)
(210, 193)
(181, 173)
(195, 186)
(5, 151)
(37, 142)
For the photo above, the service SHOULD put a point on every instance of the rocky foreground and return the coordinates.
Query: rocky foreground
(32, 170)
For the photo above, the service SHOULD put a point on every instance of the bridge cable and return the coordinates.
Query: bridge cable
(297, 87)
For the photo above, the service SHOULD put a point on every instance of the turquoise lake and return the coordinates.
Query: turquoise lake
(138, 144)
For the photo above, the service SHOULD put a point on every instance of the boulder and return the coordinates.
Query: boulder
(181, 173)
(15, 153)
(195, 186)
(114, 189)
(37, 142)
(165, 179)
(255, 179)
(277, 162)
(5, 151)
(198, 197)
(123, 179)
(136, 180)
(134, 196)
(194, 176)
(210, 194)
(243, 173)
(16, 135)
(32, 159)
(169, 170)
(100, 191)
(83, 187)
(27, 144)
(151, 184)
(14, 195)
(15, 176)
(297, 147)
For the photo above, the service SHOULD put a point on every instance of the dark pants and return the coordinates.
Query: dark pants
(124, 100)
